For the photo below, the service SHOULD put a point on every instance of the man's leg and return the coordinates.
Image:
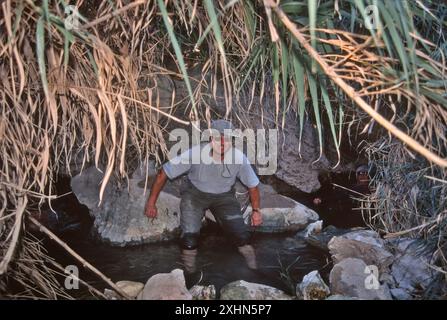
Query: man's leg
(228, 211)
(192, 211)
(189, 242)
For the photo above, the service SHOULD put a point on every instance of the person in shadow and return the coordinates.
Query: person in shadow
(338, 206)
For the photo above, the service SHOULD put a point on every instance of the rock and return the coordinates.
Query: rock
(131, 288)
(340, 297)
(362, 244)
(411, 269)
(166, 286)
(313, 287)
(400, 294)
(313, 228)
(281, 214)
(296, 164)
(120, 219)
(293, 244)
(111, 295)
(385, 277)
(203, 292)
(322, 239)
(350, 277)
(242, 290)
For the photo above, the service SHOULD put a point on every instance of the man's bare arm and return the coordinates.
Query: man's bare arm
(256, 217)
(157, 186)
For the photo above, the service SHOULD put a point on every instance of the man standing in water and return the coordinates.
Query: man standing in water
(210, 185)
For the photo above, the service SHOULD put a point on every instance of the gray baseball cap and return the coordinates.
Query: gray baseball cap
(221, 125)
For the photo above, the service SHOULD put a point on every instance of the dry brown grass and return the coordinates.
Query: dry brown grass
(94, 93)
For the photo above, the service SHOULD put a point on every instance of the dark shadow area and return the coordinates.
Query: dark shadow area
(65, 216)
(335, 202)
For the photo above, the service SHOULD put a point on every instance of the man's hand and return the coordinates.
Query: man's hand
(317, 201)
(256, 218)
(151, 211)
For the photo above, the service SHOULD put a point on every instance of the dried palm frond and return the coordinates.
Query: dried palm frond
(98, 92)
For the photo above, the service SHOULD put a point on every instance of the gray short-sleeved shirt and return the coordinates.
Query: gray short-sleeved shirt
(211, 177)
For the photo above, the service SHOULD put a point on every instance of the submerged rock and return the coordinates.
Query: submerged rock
(166, 286)
(313, 287)
(242, 290)
(350, 277)
(291, 243)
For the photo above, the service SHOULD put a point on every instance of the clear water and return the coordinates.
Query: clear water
(283, 261)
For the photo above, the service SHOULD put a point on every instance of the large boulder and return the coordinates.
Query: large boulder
(242, 290)
(120, 219)
(411, 269)
(363, 244)
(280, 213)
(351, 277)
(313, 287)
(166, 286)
